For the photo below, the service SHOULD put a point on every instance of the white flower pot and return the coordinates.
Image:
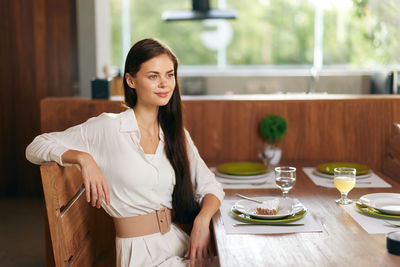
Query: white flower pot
(271, 155)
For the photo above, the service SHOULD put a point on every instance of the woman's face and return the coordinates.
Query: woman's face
(154, 82)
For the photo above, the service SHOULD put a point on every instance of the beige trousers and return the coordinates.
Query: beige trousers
(154, 250)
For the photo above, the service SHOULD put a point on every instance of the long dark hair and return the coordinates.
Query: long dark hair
(171, 122)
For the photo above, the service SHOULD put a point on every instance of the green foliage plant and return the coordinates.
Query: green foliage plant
(273, 128)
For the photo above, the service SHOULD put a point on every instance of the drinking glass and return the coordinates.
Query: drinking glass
(344, 180)
(285, 178)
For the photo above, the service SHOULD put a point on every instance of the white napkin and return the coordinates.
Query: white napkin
(310, 224)
(369, 224)
(371, 182)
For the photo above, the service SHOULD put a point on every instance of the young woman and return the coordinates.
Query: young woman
(142, 167)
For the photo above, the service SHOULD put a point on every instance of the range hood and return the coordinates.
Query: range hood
(201, 10)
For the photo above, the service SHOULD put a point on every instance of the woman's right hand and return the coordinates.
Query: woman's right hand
(93, 179)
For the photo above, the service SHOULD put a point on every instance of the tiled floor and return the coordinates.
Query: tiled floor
(22, 233)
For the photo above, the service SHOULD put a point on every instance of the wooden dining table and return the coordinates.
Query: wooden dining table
(343, 242)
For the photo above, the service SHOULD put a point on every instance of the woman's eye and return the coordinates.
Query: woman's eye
(170, 75)
(152, 77)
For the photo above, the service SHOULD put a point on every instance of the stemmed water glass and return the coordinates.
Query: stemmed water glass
(344, 180)
(285, 178)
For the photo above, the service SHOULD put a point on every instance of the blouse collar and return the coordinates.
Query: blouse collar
(129, 124)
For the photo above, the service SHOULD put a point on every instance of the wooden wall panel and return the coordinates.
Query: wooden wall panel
(56, 116)
(37, 59)
(227, 130)
(318, 130)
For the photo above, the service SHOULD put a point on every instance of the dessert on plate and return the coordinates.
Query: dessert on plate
(269, 207)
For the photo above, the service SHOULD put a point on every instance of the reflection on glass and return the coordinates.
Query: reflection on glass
(285, 179)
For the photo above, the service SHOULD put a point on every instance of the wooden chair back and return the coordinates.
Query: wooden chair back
(391, 163)
(74, 225)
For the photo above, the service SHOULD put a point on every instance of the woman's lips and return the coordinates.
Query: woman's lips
(162, 94)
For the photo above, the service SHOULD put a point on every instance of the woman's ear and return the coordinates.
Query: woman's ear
(130, 80)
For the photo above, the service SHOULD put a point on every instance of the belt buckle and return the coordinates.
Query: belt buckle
(162, 220)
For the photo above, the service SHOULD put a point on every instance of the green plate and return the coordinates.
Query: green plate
(248, 218)
(242, 168)
(375, 213)
(329, 167)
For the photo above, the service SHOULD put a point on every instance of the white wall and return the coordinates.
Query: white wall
(94, 41)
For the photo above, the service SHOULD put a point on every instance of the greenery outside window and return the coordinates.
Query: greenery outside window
(295, 33)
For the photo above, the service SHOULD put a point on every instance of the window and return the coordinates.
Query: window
(267, 32)
(363, 33)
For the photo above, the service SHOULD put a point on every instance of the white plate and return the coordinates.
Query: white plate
(286, 207)
(324, 175)
(243, 177)
(237, 181)
(384, 202)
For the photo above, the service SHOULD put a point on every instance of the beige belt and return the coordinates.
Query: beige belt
(157, 222)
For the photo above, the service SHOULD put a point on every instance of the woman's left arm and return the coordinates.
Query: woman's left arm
(200, 249)
(210, 194)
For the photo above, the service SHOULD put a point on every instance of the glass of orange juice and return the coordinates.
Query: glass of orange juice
(344, 180)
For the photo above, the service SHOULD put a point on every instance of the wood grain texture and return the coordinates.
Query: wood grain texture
(74, 231)
(69, 183)
(342, 243)
(84, 256)
(224, 130)
(76, 225)
(353, 129)
(37, 59)
(391, 163)
(339, 130)
(394, 142)
(57, 114)
(53, 212)
(391, 167)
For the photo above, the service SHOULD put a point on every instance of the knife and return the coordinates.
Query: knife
(283, 224)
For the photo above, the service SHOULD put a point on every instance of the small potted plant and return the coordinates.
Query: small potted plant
(272, 129)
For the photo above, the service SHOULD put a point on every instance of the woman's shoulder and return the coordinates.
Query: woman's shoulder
(188, 137)
(105, 120)
(187, 134)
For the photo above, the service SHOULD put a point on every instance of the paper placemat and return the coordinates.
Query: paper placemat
(235, 184)
(310, 224)
(370, 224)
(239, 184)
(374, 181)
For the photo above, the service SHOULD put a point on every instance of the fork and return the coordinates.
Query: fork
(392, 224)
(248, 198)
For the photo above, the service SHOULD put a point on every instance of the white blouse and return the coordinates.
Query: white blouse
(139, 183)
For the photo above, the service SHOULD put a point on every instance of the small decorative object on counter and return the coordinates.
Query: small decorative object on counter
(272, 129)
(101, 88)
